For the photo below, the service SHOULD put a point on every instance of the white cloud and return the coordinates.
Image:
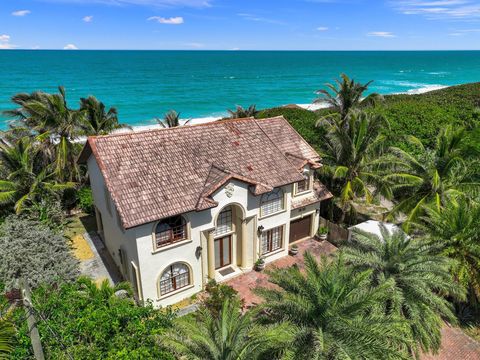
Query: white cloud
(177, 20)
(36, 47)
(322, 28)
(5, 42)
(70, 47)
(195, 45)
(21, 12)
(88, 18)
(155, 3)
(439, 9)
(383, 34)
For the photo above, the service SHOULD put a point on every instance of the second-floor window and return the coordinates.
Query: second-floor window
(272, 202)
(303, 185)
(170, 230)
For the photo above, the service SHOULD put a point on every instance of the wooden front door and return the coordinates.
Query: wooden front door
(300, 229)
(223, 251)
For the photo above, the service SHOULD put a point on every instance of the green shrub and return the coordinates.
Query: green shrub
(31, 250)
(93, 325)
(217, 294)
(85, 200)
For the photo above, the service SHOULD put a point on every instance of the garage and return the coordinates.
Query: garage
(300, 229)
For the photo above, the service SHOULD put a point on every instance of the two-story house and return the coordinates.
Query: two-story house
(178, 206)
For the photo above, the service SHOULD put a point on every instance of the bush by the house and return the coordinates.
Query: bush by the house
(31, 250)
(85, 200)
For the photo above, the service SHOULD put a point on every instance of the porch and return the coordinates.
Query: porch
(250, 280)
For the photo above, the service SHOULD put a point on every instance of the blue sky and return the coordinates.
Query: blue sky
(240, 24)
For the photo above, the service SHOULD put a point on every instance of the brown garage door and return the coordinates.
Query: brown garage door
(300, 229)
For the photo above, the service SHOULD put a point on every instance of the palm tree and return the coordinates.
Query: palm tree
(104, 292)
(335, 309)
(27, 181)
(347, 155)
(346, 95)
(97, 121)
(171, 119)
(423, 177)
(240, 112)
(56, 125)
(454, 229)
(228, 335)
(7, 334)
(420, 276)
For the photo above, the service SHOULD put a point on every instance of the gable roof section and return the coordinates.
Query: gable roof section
(160, 173)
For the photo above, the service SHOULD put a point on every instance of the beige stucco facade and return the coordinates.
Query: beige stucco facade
(142, 263)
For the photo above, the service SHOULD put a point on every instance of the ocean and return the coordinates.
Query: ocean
(143, 85)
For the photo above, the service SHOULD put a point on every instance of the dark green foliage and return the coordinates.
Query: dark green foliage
(336, 311)
(91, 322)
(217, 295)
(31, 250)
(227, 334)
(423, 115)
(421, 281)
(85, 200)
(302, 120)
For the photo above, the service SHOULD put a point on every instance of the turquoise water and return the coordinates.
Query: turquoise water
(145, 84)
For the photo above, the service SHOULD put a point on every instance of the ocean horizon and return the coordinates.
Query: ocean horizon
(144, 84)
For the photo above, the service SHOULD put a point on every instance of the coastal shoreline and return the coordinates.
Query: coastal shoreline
(310, 107)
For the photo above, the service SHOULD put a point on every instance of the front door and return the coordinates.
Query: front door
(223, 251)
(300, 229)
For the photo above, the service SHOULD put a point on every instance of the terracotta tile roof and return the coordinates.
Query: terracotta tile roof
(160, 173)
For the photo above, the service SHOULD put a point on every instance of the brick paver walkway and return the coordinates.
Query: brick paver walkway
(456, 345)
(246, 282)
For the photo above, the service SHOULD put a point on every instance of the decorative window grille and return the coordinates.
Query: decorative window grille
(224, 222)
(171, 230)
(175, 277)
(272, 240)
(272, 202)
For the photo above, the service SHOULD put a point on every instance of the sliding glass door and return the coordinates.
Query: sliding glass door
(223, 251)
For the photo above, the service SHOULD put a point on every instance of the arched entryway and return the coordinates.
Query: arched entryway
(227, 242)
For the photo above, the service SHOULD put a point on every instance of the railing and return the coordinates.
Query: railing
(172, 235)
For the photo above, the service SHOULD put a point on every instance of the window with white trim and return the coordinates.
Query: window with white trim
(272, 240)
(174, 277)
(271, 202)
(303, 185)
(224, 222)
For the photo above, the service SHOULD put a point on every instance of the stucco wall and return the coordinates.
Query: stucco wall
(114, 236)
(138, 242)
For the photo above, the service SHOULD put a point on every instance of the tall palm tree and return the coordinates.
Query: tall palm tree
(347, 94)
(240, 112)
(423, 176)
(7, 334)
(56, 125)
(171, 119)
(348, 158)
(335, 309)
(98, 121)
(454, 229)
(26, 181)
(420, 276)
(228, 335)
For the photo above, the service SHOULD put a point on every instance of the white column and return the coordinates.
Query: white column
(244, 244)
(211, 256)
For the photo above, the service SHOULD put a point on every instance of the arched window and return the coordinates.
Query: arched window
(272, 202)
(170, 230)
(224, 222)
(174, 277)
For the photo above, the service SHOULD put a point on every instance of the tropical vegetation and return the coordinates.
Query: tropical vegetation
(171, 119)
(336, 312)
(420, 277)
(377, 299)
